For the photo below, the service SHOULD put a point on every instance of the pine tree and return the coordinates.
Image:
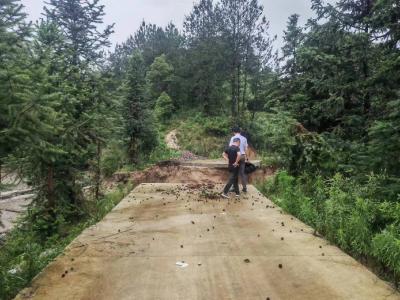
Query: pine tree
(67, 102)
(159, 78)
(78, 21)
(292, 38)
(206, 67)
(164, 107)
(245, 31)
(14, 76)
(140, 127)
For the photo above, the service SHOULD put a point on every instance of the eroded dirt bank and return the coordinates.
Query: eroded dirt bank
(175, 172)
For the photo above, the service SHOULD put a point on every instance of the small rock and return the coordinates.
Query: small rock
(246, 260)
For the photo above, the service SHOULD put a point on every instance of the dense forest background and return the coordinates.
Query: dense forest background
(324, 109)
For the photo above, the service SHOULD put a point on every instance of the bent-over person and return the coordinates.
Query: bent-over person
(243, 155)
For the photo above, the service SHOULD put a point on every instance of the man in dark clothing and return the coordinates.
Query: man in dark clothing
(232, 155)
(243, 155)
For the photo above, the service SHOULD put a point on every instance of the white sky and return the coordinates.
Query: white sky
(128, 14)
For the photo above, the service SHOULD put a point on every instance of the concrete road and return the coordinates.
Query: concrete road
(236, 249)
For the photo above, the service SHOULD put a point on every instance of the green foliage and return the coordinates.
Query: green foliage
(164, 107)
(15, 78)
(159, 78)
(386, 248)
(204, 136)
(273, 134)
(113, 158)
(139, 120)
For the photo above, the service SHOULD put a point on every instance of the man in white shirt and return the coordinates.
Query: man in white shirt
(243, 152)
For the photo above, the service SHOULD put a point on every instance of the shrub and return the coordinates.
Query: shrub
(386, 248)
(164, 107)
(205, 136)
(273, 134)
(113, 158)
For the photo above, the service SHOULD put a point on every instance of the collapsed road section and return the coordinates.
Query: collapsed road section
(182, 241)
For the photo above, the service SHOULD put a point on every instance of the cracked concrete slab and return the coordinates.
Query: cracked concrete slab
(235, 249)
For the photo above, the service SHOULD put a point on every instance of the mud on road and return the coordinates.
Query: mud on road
(178, 172)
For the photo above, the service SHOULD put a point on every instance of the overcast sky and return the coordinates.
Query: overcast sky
(128, 14)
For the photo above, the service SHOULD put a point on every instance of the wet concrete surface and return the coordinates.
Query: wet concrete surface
(235, 249)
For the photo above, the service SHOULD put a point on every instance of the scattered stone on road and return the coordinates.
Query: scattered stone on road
(244, 259)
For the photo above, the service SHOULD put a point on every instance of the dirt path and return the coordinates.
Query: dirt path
(172, 141)
(236, 249)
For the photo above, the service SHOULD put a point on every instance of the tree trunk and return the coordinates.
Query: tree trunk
(133, 155)
(244, 92)
(233, 91)
(50, 187)
(98, 171)
(238, 88)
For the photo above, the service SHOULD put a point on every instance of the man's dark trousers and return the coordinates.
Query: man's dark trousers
(233, 180)
(242, 173)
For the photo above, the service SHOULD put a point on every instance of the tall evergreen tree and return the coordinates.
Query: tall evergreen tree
(159, 78)
(78, 21)
(14, 76)
(140, 123)
(67, 99)
(292, 38)
(206, 61)
(245, 31)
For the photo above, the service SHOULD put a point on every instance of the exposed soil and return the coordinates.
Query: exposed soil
(172, 141)
(173, 172)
